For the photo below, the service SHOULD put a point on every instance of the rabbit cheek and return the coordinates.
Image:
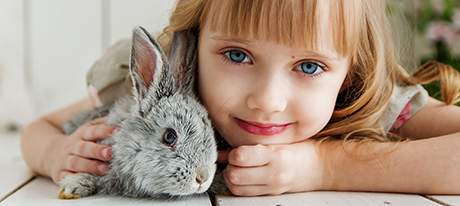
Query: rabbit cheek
(188, 181)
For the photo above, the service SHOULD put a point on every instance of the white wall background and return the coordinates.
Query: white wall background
(46, 47)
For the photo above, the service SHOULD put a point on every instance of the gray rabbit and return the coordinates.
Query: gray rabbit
(166, 144)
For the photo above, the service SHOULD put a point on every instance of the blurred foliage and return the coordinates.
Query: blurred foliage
(429, 11)
(439, 22)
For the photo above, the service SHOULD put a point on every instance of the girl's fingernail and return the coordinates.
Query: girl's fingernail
(114, 131)
(105, 153)
(102, 168)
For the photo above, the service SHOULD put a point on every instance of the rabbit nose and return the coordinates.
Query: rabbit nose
(202, 174)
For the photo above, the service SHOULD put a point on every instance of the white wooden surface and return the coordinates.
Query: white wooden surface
(327, 198)
(13, 171)
(42, 191)
(447, 199)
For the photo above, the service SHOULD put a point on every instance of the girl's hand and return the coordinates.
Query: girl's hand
(78, 152)
(272, 169)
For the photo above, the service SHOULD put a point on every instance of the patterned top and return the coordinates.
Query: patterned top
(404, 103)
(402, 117)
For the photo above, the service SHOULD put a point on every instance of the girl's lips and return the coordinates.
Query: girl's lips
(261, 129)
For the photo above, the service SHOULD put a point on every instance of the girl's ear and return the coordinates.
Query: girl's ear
(148, 66)
(182, 56)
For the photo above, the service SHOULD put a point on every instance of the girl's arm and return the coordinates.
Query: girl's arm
(49, 152)
(430, 164)
(433, 120)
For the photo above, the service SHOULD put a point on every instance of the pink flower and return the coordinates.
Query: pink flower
(443, 31)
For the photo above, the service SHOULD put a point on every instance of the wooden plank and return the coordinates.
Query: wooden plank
(15, 104)
(13, 170)
(446, 199)
(65, 40)
(42, 191)
(124, 15)
(328, 199)
(11, 22)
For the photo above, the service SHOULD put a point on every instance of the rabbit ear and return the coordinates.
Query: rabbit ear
(182, 56)
(149, 66)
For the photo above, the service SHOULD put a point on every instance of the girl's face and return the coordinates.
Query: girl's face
(260, 92)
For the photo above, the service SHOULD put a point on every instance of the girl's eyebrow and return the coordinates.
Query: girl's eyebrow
(232, 39)
(331, 57)
(306, 53)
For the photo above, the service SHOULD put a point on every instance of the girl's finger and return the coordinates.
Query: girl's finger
(98, 120)
(252, 190)
(91, 150)
(250, 156)
(223, 155)
(248, 175)
(76, 163)
(98, 132)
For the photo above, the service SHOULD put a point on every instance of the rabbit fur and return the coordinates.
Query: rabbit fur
(166, 145)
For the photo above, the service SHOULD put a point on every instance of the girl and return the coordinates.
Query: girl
(280, 78)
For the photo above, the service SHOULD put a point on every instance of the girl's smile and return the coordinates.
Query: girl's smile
(261, 128)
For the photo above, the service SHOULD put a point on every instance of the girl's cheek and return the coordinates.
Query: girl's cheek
(211, 91)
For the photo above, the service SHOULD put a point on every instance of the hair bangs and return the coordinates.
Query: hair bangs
(288, 22)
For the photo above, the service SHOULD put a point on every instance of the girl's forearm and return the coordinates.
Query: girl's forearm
(428, 166)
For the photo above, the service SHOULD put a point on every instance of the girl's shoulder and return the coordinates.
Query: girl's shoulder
(404, 103)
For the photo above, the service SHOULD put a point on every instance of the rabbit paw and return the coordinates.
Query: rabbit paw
(76, 186)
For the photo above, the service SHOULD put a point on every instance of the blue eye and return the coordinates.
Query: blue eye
(309, 68)
(238, 56)
(169, 137)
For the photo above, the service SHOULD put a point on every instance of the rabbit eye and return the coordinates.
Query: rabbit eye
(169, 137)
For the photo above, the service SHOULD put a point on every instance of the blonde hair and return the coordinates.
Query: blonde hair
(360, 30)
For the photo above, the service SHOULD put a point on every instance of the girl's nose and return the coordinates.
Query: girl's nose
(268, 95)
